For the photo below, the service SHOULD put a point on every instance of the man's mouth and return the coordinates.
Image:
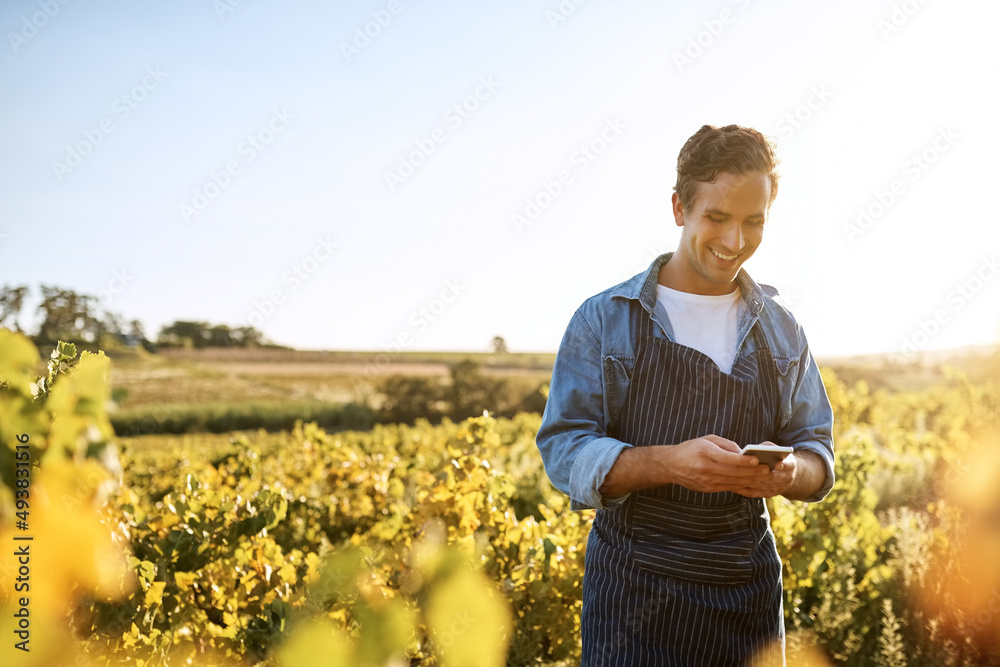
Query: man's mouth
(726, 258)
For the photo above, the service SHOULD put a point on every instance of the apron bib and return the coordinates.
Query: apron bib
(674, 576)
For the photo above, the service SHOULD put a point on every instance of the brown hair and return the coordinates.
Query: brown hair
(732, 149)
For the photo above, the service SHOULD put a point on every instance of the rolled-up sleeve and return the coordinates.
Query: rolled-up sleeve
(575, 448)
(810, 425)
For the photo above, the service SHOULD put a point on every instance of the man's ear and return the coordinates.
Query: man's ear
(678, 210)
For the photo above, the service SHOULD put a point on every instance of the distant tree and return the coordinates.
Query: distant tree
(183, 333)
(499, 345)
(247, 337)
(535, 400)
(220, 335)
(66, 315)
(410, 396)
(69, 316)
(471, 392)
(202, 334)
(112, 323)
(11, 303)
(136, 331)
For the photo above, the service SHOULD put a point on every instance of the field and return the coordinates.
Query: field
(444, 543)
(191, 377)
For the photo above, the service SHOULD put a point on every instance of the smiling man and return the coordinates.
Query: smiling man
(658, 383)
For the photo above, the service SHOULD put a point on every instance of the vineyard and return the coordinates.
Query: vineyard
(445, 544)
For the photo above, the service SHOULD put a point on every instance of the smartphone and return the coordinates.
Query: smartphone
(767, 454)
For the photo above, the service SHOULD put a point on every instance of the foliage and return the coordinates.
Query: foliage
(446, 545)
(202, 334)
(469, 393)
(236, 554)
(59, 468)
(11, 303)
(411, 397)
(239, 416)
(68, 316)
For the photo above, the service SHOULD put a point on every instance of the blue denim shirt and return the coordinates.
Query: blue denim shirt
(590, 381)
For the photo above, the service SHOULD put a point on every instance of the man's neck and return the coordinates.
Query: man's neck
(680, 275)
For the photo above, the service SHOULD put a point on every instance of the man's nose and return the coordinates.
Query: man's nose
(733, 237)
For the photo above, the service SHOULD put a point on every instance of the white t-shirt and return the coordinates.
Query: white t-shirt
(706, 322)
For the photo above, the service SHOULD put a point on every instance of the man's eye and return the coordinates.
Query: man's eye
(714, 218)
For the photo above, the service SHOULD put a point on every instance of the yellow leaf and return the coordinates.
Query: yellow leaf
(184, 579)
(71, 544)
(18, 359)
(287, 573)
(155, 593)
(469, 621)
(77, 401)
(317, 643)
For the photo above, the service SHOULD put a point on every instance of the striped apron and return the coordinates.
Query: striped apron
(680, 577)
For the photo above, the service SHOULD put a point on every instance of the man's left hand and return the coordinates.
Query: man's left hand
(793, 477)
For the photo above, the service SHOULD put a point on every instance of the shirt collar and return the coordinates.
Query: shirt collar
(642, 286)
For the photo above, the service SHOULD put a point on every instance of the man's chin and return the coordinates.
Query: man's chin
(723, 274)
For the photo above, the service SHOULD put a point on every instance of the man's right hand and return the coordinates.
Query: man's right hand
(709, 463)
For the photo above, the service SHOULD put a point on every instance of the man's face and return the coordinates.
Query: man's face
(721, 230)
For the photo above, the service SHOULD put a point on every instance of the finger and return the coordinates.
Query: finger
(740, 474)
(781, 476)
(759, 491)
(730, 458)
(724, 443)
(787, 463)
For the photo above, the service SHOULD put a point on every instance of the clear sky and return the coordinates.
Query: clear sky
(269, 163)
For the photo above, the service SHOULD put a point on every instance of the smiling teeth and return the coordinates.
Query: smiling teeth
(728, 258)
